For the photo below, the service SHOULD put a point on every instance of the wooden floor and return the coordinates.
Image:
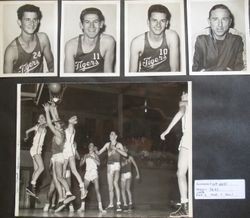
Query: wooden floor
(94, 213)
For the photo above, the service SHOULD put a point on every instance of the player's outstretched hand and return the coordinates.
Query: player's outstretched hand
(46, 106)
(162, 136)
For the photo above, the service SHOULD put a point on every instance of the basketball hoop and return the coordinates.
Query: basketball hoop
(56, 91)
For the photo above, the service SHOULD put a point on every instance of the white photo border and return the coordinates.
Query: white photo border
(182, 38)
(191, 37)
(90, 3)
(54, 5)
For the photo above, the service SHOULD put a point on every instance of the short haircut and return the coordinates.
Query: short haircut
(91, 11)
(160, 9)
(220, 6)
(29, 8)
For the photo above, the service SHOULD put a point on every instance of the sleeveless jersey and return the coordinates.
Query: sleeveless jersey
(113, 156)
(29, 62)
(90, 163)
(69, 141)
(126, 165)
(92, 62)
(154, 59)
(39, 136)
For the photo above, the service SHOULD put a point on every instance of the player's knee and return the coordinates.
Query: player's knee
(59, 178)
(115, 183)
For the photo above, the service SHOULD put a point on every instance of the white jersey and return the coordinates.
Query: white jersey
(186, 139)
(69, 147)
(90, 164)
(91, 169)
(39, 136)
(38, 140)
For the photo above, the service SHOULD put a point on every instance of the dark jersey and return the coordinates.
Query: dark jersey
(154, 59)
(218, 55)
(113, 156)
(126, 165)
(29, 62)
(91, 62)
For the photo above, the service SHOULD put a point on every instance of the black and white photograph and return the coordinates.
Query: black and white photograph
(28, 38)
(133, 141)
(218, 37)
(154, 38)
(90, 38)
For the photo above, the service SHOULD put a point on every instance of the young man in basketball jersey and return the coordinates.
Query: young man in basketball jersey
(92, 51)
(36, 151)
(158, 49)
(58, 140)
(25, 54)
(184, 148)
(92, 162)
(115, 151)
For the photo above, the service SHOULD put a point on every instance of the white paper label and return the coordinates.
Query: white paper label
(220, 189)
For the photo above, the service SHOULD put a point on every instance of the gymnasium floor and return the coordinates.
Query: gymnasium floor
(94, 213)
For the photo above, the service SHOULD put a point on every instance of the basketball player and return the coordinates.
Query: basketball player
(126, 179)
(51, 195)
(36, 151)
(92, 51)
(158, 49)
(92, 162)
(69, 152)
(185, 145)
(25, 53)
(57, 157)
(115, 151)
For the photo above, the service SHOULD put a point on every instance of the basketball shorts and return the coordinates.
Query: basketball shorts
(59, 158)
(114, 167)
(185, 141)
(91, 175)
(69, 152)
(125, 176)
(34, 150)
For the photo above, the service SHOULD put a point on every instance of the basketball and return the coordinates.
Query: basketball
(54, 87)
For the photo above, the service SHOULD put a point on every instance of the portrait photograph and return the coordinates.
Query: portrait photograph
(90, 39)
(218, 37)
(28, 39)
(154, 38)
(104, 150)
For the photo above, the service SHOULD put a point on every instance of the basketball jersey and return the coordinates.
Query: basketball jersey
(90, 163)
(39, 136)
(91, 62)
(29, 62)
(69, 140)
(126, 165)
(113, 156)
(154, 59)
